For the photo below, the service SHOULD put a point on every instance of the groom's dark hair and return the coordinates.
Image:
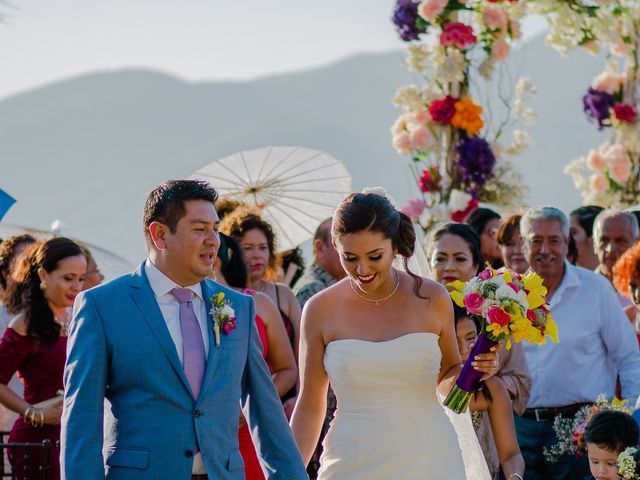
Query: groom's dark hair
(165, 204)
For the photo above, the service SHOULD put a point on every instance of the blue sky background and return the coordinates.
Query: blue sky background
(42, 41)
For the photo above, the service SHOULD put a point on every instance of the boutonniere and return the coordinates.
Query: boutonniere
(224, 317)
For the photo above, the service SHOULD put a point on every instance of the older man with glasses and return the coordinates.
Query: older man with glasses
(596, 344)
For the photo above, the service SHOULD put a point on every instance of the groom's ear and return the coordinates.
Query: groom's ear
(158, 233)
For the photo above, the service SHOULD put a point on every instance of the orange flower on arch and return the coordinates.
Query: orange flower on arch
(468, 116)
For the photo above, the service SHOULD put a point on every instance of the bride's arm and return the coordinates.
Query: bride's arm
(440, 307)
(309, 412)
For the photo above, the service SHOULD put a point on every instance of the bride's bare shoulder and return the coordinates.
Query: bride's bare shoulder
(324, 301)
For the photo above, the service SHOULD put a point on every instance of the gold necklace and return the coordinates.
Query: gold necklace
(376, 301)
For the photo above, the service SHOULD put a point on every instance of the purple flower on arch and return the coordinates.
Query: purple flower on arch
(597, 105)
(406, 19)
(475, 161)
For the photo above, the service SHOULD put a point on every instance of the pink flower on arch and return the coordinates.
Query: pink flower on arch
(442, 110)
(500, 51)
(625, 112)
(596, 162)
(430, 9)
(413, 208)
(495, 17)
(598, 183)
(608, 81)
(458, 34)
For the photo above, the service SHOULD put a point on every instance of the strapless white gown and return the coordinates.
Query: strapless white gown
(389, 422)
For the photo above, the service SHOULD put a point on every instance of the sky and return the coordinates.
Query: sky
(43, 41)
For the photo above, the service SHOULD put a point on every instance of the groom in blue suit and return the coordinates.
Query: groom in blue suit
(147, 343)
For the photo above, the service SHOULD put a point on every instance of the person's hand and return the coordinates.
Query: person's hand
(52, 413)
(487, 363)
(288, 406)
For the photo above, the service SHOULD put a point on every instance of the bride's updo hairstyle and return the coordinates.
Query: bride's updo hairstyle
(374, 212)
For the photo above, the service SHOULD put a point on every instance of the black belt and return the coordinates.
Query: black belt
(198, 477)
(549, 414)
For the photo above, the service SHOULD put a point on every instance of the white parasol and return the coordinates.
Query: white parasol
(110, 264)
(294, 187)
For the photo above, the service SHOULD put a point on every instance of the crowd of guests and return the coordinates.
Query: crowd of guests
(589, 261)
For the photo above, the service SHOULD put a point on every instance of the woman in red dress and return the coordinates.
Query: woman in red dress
(47, 280)
(231, 271)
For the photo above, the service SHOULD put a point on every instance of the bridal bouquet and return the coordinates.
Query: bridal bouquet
(510, 307)
(570, 431)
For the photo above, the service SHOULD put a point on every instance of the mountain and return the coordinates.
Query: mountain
(87, 150)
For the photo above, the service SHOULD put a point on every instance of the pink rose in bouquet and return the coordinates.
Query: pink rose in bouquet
(498, 316)
(473, 303)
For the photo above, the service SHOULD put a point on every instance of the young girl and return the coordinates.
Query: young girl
(494, 400)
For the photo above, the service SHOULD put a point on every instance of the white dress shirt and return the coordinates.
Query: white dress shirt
(596, 343)
(170, 309)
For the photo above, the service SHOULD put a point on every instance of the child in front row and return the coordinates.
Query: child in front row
(607, 435)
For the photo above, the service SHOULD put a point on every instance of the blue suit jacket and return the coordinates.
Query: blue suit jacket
(119, 348)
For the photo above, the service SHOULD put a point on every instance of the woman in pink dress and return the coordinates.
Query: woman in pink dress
(231, 271)
(47, 280)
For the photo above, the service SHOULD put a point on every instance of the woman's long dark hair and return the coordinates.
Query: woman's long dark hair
(25, 295)
(233, 268)
(360, 212)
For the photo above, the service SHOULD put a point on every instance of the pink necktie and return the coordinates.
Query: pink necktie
(193, 358)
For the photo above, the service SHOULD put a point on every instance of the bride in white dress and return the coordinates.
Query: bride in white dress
(385, 339)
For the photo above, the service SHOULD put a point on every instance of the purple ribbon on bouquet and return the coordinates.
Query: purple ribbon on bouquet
(469, 378)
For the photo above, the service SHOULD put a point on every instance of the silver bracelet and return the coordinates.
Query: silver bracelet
(516, 476)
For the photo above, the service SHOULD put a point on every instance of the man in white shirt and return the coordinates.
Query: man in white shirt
(596, 344)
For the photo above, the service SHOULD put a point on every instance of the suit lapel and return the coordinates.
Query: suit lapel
(146, 302)
(208, 290)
